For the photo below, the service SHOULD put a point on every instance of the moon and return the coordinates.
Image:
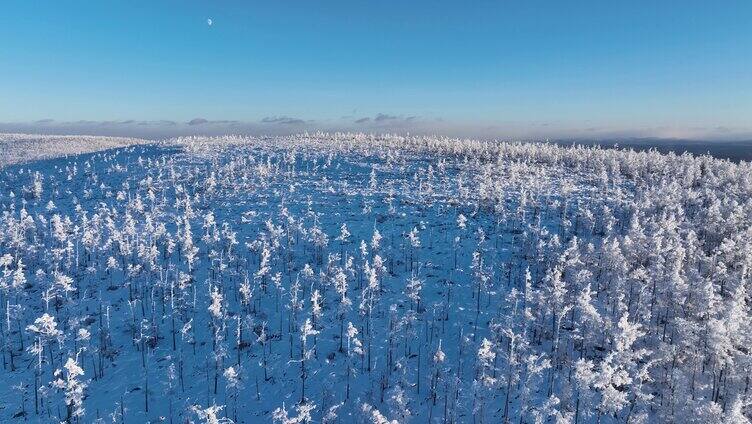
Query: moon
(209, 22)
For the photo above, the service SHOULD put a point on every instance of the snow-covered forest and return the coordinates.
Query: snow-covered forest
(19, 148)
(350, 278)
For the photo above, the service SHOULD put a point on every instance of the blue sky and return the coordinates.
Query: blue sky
(508, 69)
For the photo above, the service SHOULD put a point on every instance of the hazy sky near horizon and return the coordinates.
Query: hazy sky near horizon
(476, 68)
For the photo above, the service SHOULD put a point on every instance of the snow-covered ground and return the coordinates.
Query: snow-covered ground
(20, 148)
(352, 278)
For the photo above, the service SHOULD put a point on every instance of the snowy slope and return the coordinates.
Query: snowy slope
(19, 148)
